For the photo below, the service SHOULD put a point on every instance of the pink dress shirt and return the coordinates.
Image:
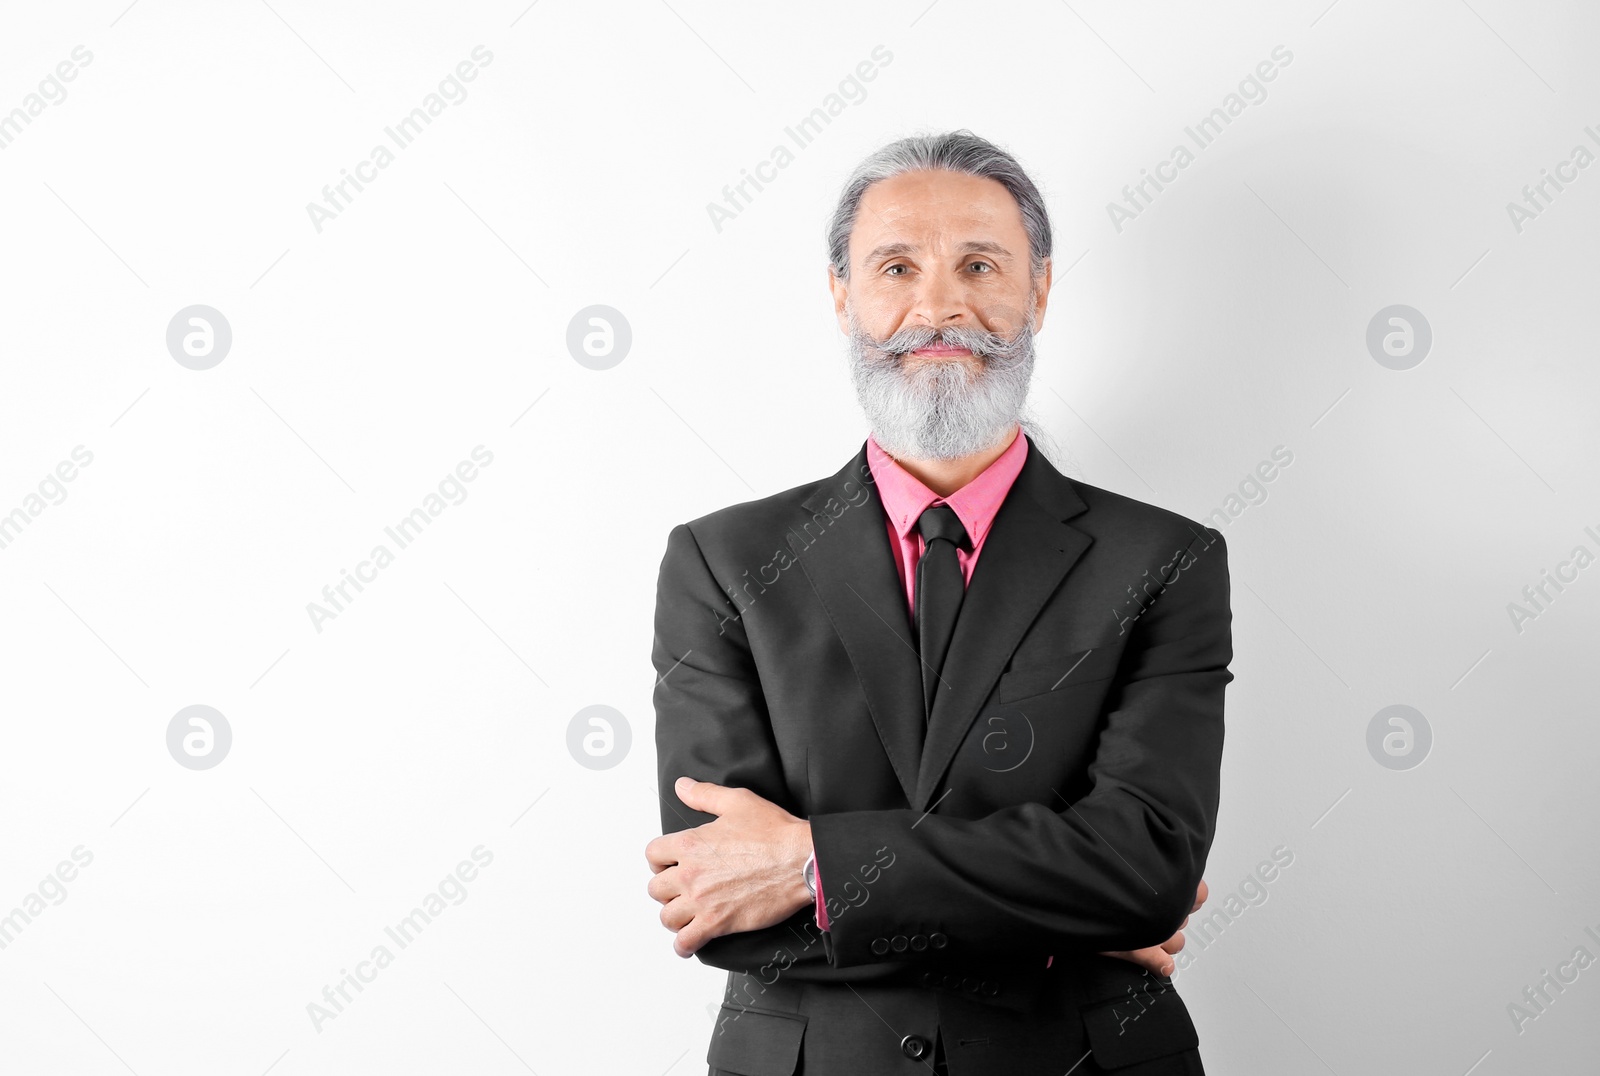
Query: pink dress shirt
(905, 498)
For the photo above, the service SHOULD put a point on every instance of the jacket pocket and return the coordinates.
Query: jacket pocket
(756, 1042)
(1138, 1027)
(1070, 671)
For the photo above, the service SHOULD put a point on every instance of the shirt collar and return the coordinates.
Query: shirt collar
(905, 497)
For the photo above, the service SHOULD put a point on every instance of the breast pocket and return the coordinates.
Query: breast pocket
(1067, 673)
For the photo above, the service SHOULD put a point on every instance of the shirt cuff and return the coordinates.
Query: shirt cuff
(822, 907)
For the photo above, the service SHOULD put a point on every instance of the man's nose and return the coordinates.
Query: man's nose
(941, 302)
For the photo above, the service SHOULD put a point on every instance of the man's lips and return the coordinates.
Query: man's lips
(941, 350)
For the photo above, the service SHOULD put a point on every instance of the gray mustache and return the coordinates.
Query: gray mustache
(980, 342)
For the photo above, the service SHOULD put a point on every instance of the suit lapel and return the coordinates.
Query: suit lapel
(846, 557)
(1028, 551)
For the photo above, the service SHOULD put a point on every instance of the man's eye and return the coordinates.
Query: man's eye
(891, 268)
(981, 265)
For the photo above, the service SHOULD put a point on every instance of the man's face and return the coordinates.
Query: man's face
(941, 309)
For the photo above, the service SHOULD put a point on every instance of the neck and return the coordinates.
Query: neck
(944, 477)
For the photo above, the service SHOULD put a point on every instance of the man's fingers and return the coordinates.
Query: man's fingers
(661, 852)
(675, 915)
(1174, 943)
(1154, 959)
(705, 796)
(689, 940)
(1200, 896)
(663, 886)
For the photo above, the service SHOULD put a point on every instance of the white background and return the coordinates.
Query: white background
(430, 316)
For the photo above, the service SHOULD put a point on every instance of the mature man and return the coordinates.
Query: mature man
(940, 799)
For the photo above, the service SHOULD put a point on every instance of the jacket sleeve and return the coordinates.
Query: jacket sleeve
(1115, 870)
(712, 725)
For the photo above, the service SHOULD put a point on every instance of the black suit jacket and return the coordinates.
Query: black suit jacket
(1061, 801)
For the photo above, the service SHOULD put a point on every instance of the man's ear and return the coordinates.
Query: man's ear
(841, 293)
(1042, 298)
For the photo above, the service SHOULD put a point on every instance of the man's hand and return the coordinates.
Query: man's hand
(740, 872)
(1157, 957)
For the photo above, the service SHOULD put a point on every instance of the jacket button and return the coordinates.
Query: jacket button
(929, 978)
(952, 982)
(919, 942)
(899, 943)
(880, 945)
(938, 940)
(991, 989)
(969, 985)
(915, 1047)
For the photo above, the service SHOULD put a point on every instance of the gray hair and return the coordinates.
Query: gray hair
(954, 151)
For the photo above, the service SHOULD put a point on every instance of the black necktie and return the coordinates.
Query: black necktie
(940, 587)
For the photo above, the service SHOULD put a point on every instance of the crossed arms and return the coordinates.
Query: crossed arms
(1117, 871)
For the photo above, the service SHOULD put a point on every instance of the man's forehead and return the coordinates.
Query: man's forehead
(938, 209)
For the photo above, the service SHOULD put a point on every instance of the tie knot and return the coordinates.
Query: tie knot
(941, 521)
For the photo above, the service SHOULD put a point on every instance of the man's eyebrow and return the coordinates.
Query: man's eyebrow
(885, 251)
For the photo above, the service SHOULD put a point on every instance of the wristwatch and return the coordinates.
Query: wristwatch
(810, 873)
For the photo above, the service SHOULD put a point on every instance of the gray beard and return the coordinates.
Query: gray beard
(940, 410)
